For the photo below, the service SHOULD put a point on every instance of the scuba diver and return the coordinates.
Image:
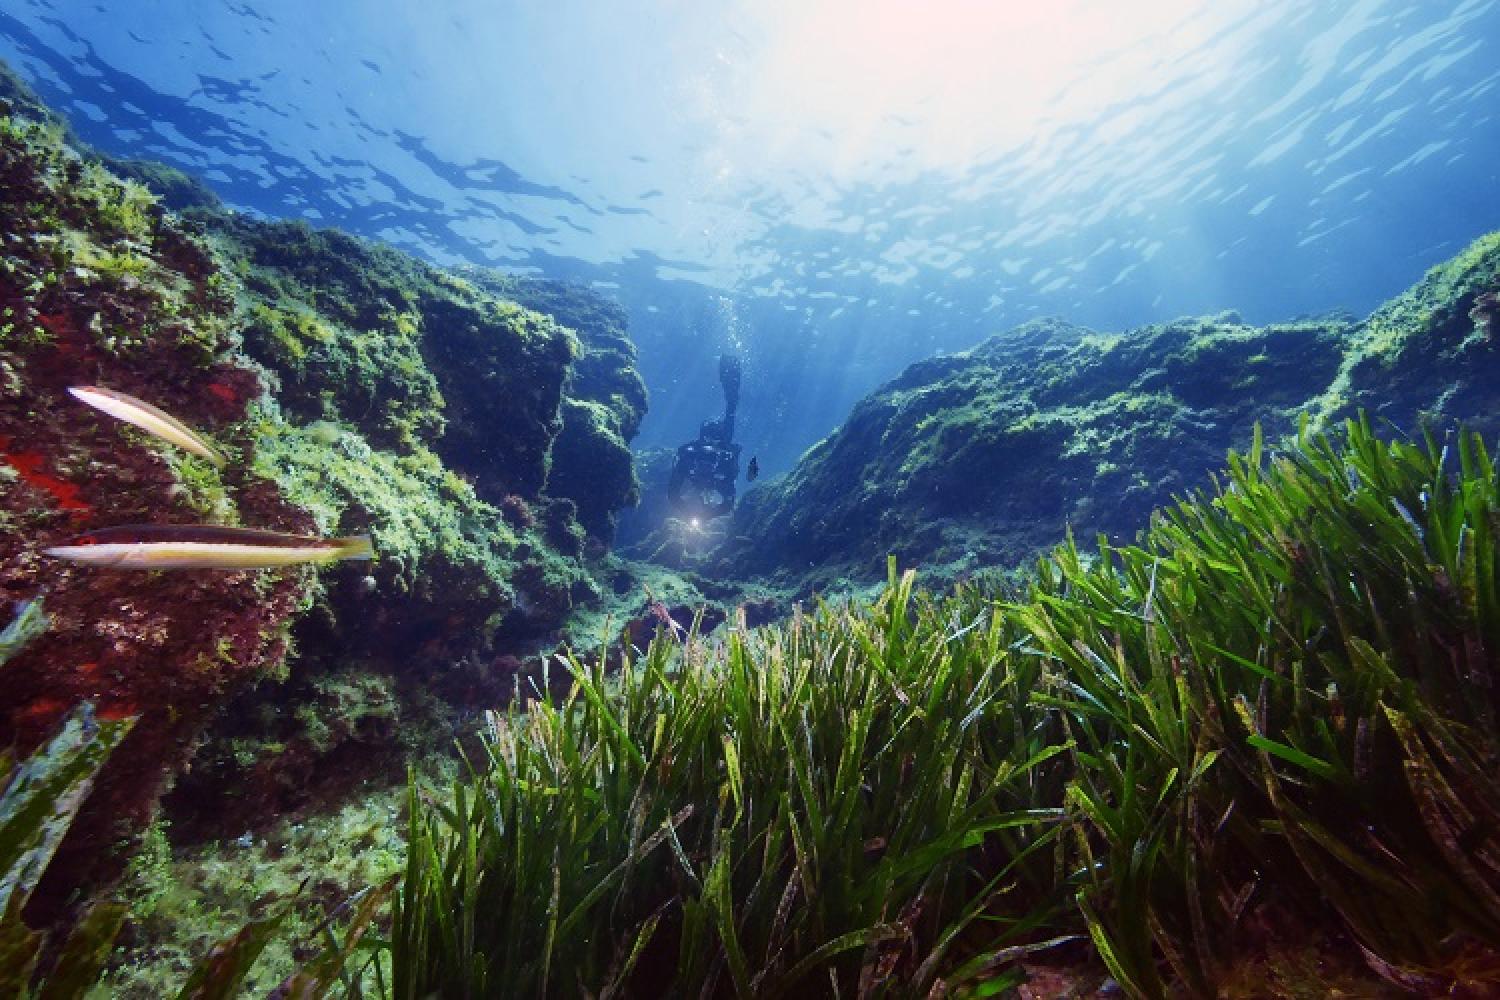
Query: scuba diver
(705, 470)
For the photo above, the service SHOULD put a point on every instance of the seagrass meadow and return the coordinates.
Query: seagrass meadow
(1252, 754)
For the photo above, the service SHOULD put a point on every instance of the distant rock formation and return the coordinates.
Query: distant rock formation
(980, 460)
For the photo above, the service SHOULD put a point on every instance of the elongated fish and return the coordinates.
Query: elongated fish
(148, 418)
(204, 546)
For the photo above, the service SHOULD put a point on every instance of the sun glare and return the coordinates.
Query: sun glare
(849, 85)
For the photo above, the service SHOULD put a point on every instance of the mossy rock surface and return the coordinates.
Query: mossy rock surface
(525, 387)
(99, 285)
(353, 389)
(411, 354)
(984, 458)
(605, 398)
(1432, 353)
(591, 461)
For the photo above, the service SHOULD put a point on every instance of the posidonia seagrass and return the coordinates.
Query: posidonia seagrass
(1278, 703)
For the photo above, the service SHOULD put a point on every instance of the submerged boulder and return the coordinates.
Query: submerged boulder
(981, 459)
(1432, 353)
(414, 356)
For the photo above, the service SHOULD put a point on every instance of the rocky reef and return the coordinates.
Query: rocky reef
(97, 285)
(985, 458)
(604, 399)
(476, 425)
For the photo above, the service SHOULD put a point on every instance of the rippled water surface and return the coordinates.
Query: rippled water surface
(836, 189)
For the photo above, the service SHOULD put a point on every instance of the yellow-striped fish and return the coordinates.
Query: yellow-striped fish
(148, 418)
(204, 546)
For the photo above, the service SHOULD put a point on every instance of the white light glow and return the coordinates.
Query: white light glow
(945, 84)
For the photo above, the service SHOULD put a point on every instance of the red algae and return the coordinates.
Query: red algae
(117, 711)
(168, 648)
(29, 465)
(44, 711)
(58, 324)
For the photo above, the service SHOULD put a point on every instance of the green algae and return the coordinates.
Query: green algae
(988, 456)
(345, 704)
(354, 389)
(185, 899)
(174, 188)
(75, 227)
(605, 398)
(421, 515)
(100, 283)
(411, 354)
(592, 464)
(202, 486)
(1422, 354)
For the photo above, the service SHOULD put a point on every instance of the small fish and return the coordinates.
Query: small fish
(752, 470)
(204, 546)
(148, 418)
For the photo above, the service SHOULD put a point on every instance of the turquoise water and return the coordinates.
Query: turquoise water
(834, 190)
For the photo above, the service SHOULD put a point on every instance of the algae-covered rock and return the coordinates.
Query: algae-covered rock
(176, 190)
(21, 102)
(1432, 353)
(524, 387)
(98, 285)
(605, 398)
(353, 389)
(411, 354)
(605, 373)
(428, 409)
(414, 404)
(981, 459)
(329, 729)
(592, 465)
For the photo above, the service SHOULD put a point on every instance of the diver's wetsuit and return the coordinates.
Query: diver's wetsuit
(705, 471)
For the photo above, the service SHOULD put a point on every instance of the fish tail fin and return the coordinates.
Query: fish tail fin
(355, 547)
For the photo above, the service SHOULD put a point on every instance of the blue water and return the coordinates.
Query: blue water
(834, 189)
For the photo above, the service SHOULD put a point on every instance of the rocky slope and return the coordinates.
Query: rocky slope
(482, 442)
(981, 459)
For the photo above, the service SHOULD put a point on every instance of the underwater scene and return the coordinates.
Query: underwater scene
(839, 498)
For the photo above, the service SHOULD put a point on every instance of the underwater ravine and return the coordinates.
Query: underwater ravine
(1246, 742)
